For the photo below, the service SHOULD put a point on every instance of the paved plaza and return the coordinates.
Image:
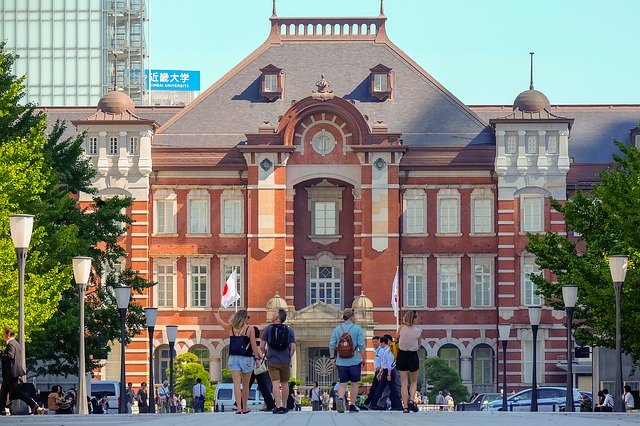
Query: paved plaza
(322, 418)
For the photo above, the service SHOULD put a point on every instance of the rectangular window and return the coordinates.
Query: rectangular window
(529, 288)
(552, 144)
(414, 216)
(113, 146)
(532, 144)
(482, 216)
(164, 217)
(198, 216)
(482, 283)
(414, 278)
(324, 214)
(232, 220)
(512, 144)
(93, 146)
(325, 286)
(165, 277)
(198, 280)
(482, 366)
(228, 266)
(134, 146)
(448, 215)
(380, 82)
(527, 361)
(531, 214)
(270, 83)
(448, 283)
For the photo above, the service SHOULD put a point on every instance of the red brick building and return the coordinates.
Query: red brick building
(318, 166)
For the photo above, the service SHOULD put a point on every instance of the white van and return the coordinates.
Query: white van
(108, 388)
(224, 397)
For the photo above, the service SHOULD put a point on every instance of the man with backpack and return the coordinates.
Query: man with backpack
(347, 348)
(281, 344)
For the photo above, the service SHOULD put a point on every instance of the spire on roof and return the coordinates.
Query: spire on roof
(531, 79)
(273, 11)
(381, 7)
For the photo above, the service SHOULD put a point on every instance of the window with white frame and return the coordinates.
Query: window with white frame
(482, 282)
(113, 146)
(165, 205)
(324, 204)
(92, 147)
(203, 356)
(414, 211)
(552, 144)
(482, 211)
(483, 362)
(448, 211)
(414, 279)
(271, 83)
(512, 144)
(165, 277)
(134, 145)
(529, 295)
(198, 201)
(228, 265)
(325, 218)
(531, 206)
(380, 82)
(232, 206)
(532, 144)
(198, 279)
(448, 282)
(326, 286)
(527, 359)
(450, 354)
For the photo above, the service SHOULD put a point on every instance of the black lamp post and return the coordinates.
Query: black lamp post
(123, 295)
(535, 313)
(151, 314)
(81, 273)
(172, 331)
(618, 267)
(21, 228)
(504, 330)
(570, 296)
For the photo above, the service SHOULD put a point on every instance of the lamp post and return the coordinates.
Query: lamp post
(21, 227)
(81, 273)
(570, 296)
(172, 331)
(123, 294)
(151, 314)
(504, 330)
(535, 312)
(618, 267)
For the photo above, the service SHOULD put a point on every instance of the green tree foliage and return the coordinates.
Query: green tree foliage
(608, 222)
(441, 377)
(187, 370)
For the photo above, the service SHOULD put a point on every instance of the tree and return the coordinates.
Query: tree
(187, 370)
(440, 377)
(606, 221)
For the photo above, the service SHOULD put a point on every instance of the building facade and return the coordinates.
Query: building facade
(323, 164)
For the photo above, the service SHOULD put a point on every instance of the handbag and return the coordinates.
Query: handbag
(260, 367)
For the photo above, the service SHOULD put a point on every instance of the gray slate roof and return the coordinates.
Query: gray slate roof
(421, 110)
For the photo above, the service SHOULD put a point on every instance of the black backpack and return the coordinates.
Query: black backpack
(279, 337)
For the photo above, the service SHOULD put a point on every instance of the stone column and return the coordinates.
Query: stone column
(466, 372)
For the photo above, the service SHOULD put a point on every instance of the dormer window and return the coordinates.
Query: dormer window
(381, 84)
(271, 82)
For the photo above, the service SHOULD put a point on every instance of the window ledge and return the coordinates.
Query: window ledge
(450, 308)
(523, 233)
(163, 235)
(482, 308)
(242, 235)
(325, 239)
(487, 234)
(405, 234)
(208, 235)
(197, 308)
(440, 234)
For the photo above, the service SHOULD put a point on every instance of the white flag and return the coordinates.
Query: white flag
(394, 293)
(229, 293)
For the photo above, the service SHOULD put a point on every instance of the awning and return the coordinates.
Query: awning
(577, 368)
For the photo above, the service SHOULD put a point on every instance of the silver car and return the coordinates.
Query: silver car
(550, 398)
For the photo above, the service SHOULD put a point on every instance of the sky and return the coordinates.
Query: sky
(586, 51)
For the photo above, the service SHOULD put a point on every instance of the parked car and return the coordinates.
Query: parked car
(480, 402)
(108, 388)
(550, 398)
(224, 397)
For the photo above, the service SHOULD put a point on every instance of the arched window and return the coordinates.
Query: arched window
(483, 373)
(203, 356)
(161, 361)
(451, 355)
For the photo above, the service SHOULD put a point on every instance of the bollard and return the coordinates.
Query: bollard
(222, 408)
(215, 409)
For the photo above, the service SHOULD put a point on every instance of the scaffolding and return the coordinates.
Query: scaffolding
(125, 47)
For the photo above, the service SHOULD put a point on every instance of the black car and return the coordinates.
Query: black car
(479, 402)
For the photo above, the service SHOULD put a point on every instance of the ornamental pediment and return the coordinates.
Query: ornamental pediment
(318, 312)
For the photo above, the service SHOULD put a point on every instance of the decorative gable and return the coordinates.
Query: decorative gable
(271, 84)
(381, 86)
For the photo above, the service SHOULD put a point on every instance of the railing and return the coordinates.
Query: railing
(327, 28)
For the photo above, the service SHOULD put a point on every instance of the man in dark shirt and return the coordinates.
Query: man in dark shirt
(11, 373)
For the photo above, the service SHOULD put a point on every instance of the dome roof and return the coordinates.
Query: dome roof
(276, 302)
(115, 103)
(531, 101)
(362, 302)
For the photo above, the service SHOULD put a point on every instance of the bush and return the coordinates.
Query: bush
(442, 377)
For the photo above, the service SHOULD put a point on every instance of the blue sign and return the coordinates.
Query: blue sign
(188, 81)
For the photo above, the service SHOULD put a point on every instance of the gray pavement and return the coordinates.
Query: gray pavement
(322, 418)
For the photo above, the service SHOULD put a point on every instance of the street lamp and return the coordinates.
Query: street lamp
(81, 272)
(570, 296)
(618, 267)
(172, 331)
(535, 312)
(21, 227)
(151, 314)
(504, 330)
(123, 294)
